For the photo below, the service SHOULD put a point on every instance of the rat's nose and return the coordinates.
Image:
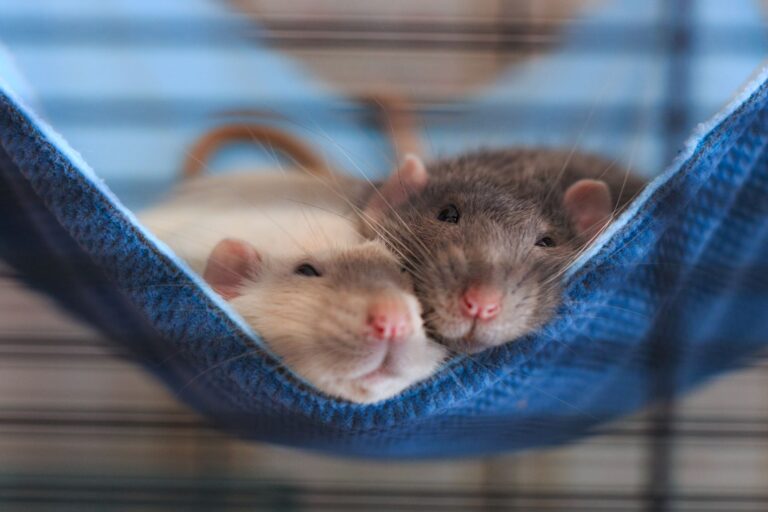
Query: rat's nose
(483, 302)
(388, 320)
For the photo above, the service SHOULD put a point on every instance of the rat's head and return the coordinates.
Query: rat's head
(345, 319)
(485, 255)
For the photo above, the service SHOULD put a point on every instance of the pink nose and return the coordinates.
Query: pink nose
(388, 320)
(483, 302)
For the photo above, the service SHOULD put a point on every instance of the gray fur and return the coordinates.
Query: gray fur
(508, 199)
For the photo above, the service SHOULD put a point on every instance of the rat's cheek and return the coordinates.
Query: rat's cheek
(524, 313)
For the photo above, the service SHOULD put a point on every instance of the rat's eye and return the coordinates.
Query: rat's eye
(449, 214)
(546, 241)
(305, 269)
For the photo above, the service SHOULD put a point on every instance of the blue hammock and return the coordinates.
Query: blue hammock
(675, 292)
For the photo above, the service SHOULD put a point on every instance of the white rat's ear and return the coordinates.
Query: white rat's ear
(589, 206)
(230, 263)
(410, 178)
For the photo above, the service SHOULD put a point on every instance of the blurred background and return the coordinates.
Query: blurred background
(131, 84)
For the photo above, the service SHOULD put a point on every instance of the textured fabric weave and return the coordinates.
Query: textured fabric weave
(676, 292)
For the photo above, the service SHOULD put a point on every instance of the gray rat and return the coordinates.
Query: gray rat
(488, 234)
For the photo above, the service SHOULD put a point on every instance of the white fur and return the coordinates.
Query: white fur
(318, 330)
(282, 215)
(279, 230)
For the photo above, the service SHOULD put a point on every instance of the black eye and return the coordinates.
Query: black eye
(449, 214)
(305, 269)
(546, 241)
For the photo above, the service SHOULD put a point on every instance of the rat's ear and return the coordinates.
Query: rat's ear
(589, 206)
(410, 178)
(229, 264)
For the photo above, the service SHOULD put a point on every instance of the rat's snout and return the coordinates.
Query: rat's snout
(482, 302)
(388, 320)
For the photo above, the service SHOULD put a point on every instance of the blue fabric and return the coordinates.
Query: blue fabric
(676, 292)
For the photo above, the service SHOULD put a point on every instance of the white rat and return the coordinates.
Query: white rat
(285, 251)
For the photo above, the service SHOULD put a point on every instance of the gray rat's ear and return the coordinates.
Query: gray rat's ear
(230, 263)
(589, 206)
(409, 179)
